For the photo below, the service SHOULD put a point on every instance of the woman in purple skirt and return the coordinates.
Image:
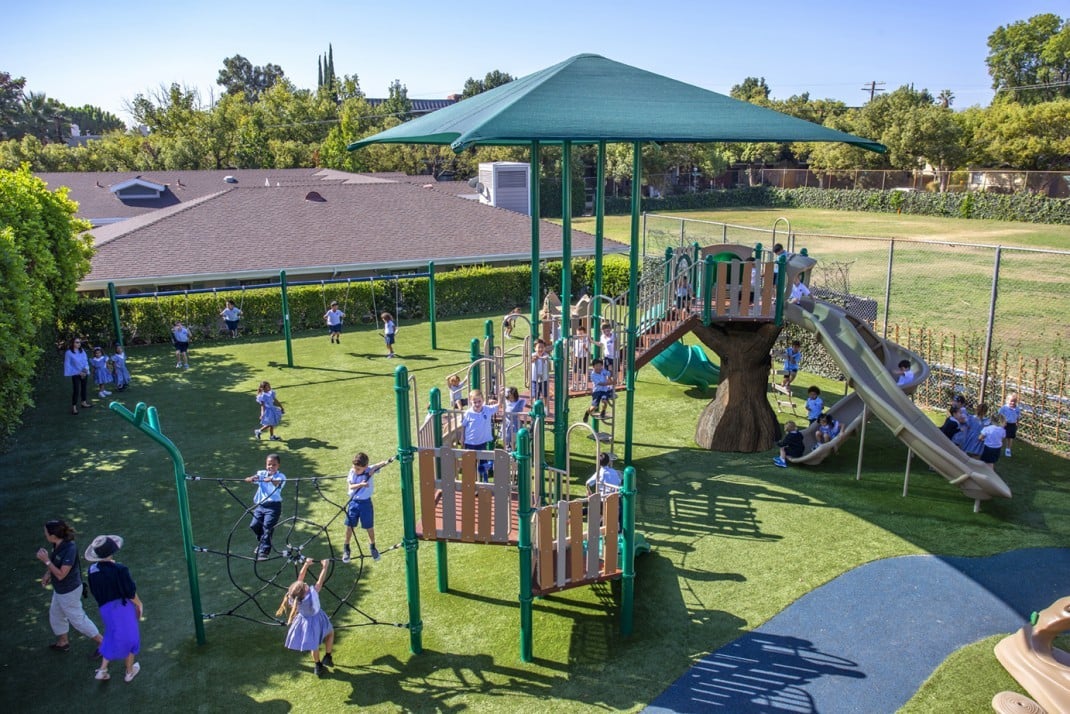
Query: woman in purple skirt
(120, 607)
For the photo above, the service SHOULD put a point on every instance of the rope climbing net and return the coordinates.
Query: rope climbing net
(261, 582)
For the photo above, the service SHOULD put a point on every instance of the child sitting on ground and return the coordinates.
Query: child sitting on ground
(309, 624)
(791, 446)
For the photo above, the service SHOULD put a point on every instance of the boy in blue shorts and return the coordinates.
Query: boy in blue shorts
(601, 389)
(792, 358)
(360, 511)
(334, 323)
(814, 404)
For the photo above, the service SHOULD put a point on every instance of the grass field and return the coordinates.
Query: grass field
(734, 542)
(941, 287)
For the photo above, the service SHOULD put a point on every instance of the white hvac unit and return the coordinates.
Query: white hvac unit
(505, 184)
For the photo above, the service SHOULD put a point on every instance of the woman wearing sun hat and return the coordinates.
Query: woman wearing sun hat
(120, 607)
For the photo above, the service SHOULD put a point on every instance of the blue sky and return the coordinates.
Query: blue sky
(105, 53)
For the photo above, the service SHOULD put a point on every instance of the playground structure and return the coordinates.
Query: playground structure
(1042, 669)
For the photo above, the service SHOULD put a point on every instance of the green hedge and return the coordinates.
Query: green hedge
(465, 291)
(1025, 207)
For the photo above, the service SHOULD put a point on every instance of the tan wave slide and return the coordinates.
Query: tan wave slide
(867, 361)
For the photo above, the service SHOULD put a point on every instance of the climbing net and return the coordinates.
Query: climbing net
(262, 582)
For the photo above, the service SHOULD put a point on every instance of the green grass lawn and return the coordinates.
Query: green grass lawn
(734, 541)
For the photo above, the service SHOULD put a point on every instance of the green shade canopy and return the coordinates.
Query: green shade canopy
(588, 98)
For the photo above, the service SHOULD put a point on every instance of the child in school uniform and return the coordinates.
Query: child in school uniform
(359, 510)
(904, 376)
(827, 428)
(334, 323)
(271, 411)
(456, 386)
(581, 351)
(478, 423)
(992, 437)
(122, 373)
(231, 314)
(309, 625)
(609, 346)
(514, 405)
(390, 331)
(101, 373)
(540, 371)
(792, 358)
(814, 404)
(791, 446)
(180, 335)
(601, 389)
(1011, 413)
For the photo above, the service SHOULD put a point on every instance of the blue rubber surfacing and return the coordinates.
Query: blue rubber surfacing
(867, 640)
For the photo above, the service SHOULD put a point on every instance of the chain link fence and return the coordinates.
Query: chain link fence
(989, 320)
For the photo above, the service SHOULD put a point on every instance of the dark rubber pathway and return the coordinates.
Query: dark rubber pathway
(866, 641)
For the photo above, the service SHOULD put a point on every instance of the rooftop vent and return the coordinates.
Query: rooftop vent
(230, 179)
(313, 196)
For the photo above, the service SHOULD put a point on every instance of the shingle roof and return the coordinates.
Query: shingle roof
(248, 231)
(97, 204)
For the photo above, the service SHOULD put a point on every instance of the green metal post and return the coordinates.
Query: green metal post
(566, 238)
(535, 256)
(435, 408)
(431, 302)
(408, 509)
(286, 321)
(523, 532)
(115, 314)
(473, 353)
(538, 415)
(627, 590)
(781, 282)
(599, 231)
(488, 341)
(633, 298)
(757, 251)
(707, 290)
(560, 403)
(151, 428)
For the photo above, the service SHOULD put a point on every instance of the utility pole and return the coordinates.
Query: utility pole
(873, 87)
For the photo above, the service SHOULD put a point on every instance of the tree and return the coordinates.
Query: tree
(43, 117)
(240, 75)
(1033, 137)
(946, 98)
(10, 103)
(43, 255)
(93, 120)
(753, 90)
(398, 103)
(1029, 60)
(492, 79)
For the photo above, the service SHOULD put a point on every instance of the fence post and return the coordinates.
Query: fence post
(286, 321)
(115, 314)
(888, 286)
(431, 302)
(991, 324)
(523, 530)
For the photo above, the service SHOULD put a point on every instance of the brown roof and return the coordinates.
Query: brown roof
(97, 204)
(246, 230)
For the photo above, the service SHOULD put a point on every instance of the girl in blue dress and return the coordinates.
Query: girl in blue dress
(122, 374)
(309, 625)
(101, 373)
(270, 411)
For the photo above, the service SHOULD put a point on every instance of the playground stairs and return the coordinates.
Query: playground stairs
(660, 334)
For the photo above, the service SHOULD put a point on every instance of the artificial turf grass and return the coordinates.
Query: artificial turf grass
(735, 540)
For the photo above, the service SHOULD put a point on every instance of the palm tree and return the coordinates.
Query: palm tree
(41, 116)
(945, 98)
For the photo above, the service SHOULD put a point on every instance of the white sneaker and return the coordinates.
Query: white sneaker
(1007, 453)
(107, 393)
(178, 365)
(129, 676)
